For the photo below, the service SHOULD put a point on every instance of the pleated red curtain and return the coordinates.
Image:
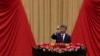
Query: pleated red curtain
(16, 38)
(87, 28)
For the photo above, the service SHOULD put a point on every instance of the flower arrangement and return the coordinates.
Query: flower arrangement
(60, 47)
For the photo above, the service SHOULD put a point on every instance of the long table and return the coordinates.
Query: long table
(46, 52)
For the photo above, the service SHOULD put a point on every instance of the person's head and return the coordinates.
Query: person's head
(63, 28)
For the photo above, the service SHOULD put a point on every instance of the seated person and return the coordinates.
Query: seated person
(61, 36)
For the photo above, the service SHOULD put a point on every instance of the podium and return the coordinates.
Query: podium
(59, 49)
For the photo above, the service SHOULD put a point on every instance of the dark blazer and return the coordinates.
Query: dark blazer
(58, 38)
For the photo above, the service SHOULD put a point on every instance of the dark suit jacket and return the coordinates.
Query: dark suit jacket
(58, 38)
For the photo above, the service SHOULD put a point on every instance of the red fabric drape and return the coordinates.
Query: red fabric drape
(16, 38)
(87, 29)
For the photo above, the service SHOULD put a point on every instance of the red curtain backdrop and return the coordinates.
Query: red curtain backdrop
(87, 29)
(16, 38)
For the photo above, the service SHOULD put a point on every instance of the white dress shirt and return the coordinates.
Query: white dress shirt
(63, 35)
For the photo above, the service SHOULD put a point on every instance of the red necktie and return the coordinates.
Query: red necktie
(62, 38)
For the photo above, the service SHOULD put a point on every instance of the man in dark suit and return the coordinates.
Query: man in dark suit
(61, 36)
